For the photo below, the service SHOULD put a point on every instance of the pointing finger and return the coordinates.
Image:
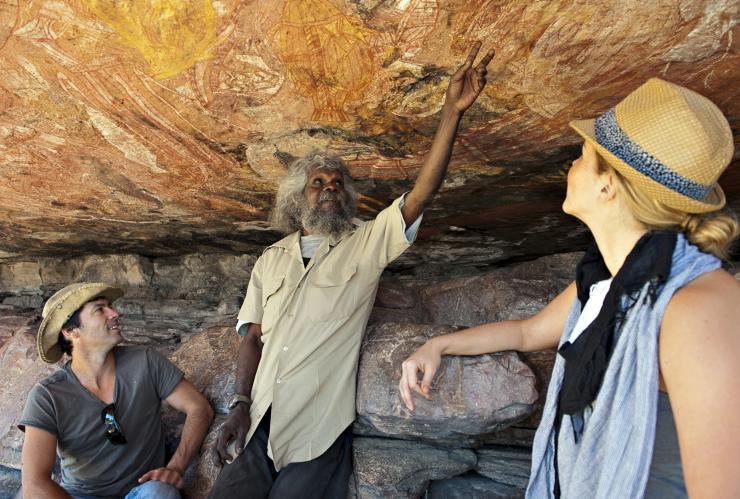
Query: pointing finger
(473, 52)
(487, 58)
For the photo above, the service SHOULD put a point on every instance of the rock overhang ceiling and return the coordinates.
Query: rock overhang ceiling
(158, 128)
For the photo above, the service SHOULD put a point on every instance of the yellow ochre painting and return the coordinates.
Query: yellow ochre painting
(172, 35)
(326, 56)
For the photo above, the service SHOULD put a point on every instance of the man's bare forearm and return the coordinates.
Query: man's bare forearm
(194, 431)
(433, 170)
(248, 359)
(464, 87)
(47, 488)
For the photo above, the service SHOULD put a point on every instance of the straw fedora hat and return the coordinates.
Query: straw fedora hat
(60, 307)
(668, 141)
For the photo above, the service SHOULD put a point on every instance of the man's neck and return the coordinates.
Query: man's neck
(96, 371)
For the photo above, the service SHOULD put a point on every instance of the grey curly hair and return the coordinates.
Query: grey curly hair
(291, 211)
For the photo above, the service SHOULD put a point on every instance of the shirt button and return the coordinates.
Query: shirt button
(285, 348)
(278, 381)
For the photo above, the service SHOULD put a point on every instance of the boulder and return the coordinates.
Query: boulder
(507, 465)
(471, 486)
(395, 468)
(21, 368)
(471, 396)
(515, 292)
(208, 360)
(204, 470)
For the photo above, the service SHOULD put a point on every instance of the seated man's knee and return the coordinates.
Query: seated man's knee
(154, 490)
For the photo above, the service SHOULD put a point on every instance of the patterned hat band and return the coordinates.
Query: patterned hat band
(611, 136)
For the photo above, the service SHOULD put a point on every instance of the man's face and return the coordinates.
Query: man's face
(326, 208)
(99, 328)
(325, 191)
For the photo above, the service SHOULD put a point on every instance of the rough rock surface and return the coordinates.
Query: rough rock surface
(508, 465)
(471, 396)
(395, 468)
(164, 130)
(177, 304)
(205, 468)
(167, 300)
(21, 368)
(514, 292)
(209, 361)
(471, 486)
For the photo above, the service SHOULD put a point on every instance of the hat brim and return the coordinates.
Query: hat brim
(714, 200)
(47, 338)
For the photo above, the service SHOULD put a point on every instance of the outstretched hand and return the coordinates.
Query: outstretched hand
(425, 360)
(467, 83)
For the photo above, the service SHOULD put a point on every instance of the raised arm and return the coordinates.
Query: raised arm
(465, 86)
(37, 461)
(699, 352)
(248, 358)
(198, 416)
(539, 332)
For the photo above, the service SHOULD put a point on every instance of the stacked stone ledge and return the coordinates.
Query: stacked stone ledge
(471, 440)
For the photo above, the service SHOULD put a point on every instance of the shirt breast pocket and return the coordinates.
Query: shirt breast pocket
(333, 295)
(271, 298)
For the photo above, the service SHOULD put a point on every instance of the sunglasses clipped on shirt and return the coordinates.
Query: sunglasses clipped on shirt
(112, 429)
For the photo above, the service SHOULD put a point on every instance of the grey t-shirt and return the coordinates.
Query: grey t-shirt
(91, 465)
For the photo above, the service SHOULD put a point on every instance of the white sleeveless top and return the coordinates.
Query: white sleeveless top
(592, 308)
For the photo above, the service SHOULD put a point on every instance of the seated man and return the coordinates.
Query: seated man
(101, 411)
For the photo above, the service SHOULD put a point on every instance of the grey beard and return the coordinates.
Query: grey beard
(322, 223)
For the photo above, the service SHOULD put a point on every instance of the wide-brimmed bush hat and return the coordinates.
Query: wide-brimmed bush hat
(60, 307)
(668, 141)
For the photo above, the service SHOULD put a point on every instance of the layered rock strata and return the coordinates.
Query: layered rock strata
(462, 431)
(139, 128)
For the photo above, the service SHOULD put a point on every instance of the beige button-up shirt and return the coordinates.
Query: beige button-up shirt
(313, 319)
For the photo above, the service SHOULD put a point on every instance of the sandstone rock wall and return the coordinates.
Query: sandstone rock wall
(167, 299)
(130, 127)
(186, 307)
(471, 440)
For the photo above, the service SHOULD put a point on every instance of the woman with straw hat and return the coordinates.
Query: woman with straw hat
(643, 399)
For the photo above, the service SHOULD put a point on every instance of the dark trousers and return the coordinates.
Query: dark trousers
(252, 475)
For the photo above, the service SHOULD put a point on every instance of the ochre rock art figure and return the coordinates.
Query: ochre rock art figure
(99, 103)
(413, 19)
(326, 56)
(171, 35)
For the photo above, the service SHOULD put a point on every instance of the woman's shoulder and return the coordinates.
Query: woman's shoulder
(709, 306)
(715, 288)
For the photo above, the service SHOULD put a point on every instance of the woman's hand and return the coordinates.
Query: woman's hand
(426, 360)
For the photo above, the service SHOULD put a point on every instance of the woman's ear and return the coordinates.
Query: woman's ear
(608, 188)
